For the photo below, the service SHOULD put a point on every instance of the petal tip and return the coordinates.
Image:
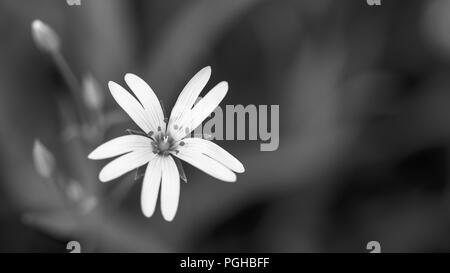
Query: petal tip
(131, 76)
(205, 72)
(112, 85)
(169, 210)
(147, 214)
(102, 177)
(91, 155)
(207, 69)
(223, 87)
(147, 209)
(231, 179)
(168, 218)
(240, 167)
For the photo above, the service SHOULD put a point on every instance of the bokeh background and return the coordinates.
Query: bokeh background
(364, 95)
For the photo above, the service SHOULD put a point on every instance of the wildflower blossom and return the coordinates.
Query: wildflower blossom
(161, 142)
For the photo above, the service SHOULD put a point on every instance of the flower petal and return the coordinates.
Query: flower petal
(206, 164)
(189, 95)
(170, 189)
(148, 99)
(150, 187)
(125, 163)
(194, 117)
(120, 145)
(131, 106)
(214, 151)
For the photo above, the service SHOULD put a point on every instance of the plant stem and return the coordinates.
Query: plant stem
(73, 83)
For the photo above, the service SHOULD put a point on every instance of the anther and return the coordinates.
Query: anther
(182, 143)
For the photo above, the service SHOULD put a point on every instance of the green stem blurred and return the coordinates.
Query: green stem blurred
(73, 83)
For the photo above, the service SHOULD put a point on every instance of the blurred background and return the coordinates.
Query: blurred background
(364, 95)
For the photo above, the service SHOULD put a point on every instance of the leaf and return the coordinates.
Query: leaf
(57, 223)
(180, 169)
(166, 119)
(135, 132)
(140, 172)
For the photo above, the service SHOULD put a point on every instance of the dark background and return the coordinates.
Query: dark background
(364, 95)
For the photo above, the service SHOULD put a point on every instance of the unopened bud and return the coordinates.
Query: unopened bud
(43, 160)
(74, 191)
(92, 93)
(45, 37)
(88, 204)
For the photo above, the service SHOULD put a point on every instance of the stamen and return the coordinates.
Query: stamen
(182, 143)
(163, 144)
(150, 133)
(159, 128)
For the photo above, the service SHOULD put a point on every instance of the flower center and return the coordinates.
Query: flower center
(163, 144)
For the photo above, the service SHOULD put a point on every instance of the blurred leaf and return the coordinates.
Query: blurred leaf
(59, 223)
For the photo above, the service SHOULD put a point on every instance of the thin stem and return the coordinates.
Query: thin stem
(73, 83)
(56, 180)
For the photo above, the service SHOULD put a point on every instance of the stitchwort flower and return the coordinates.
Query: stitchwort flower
(162, 142)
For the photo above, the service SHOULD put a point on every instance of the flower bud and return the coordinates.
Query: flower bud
(92, 93)
(74, 191)
(44, 161)
(45, 37)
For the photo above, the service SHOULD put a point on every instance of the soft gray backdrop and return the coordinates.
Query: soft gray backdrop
(364, 95)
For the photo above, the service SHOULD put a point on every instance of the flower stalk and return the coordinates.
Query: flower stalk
(48, 41)
(73, 84)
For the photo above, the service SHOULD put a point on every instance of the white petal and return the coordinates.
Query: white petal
(170, 189)
(125, 163)
(189, 95)
(214, 151)
(150, 187)
(131, 106)
(207, 165)
(120, 145)
(148, 99)
(194, 117)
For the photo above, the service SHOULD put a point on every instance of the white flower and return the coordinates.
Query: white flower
(164, 141)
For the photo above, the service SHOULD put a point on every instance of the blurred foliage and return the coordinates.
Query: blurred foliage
(364, 96)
